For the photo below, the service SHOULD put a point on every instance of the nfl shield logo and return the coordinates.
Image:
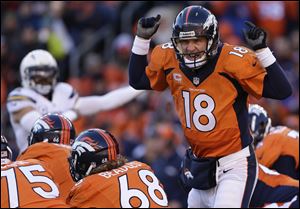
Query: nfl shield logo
(196, 80)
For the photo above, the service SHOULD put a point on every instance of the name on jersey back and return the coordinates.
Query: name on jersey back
(123, 169)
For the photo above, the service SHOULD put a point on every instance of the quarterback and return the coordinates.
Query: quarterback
(210, 82)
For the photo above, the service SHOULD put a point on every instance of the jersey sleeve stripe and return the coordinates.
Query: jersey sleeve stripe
(19, 97)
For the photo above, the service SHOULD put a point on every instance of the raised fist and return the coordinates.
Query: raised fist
(255, 36)
(147, 26)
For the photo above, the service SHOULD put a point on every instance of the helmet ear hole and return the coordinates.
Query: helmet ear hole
(90, 150)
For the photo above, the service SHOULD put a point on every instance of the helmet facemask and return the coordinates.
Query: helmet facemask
(6, 153)
(192, 60)
(41, 78)
(39, 71)
(261, 131)
(259, 123)
(83, 164)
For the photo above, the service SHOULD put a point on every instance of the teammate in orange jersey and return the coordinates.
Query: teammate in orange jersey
(106, 179)
(210, 82)
(276, 147)
(49, 142)
(27, 184)
(275, 190)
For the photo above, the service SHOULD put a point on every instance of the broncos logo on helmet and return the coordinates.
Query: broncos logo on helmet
(91, 149)
(52, 128)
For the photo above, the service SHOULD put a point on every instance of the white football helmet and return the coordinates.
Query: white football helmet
(39, 71)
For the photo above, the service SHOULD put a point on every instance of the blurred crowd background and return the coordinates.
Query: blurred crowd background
(92, 42)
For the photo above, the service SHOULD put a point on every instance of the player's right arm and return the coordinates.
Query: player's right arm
(21, 107)
(146, 28)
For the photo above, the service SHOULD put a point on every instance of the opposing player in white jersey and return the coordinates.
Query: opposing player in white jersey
(41, 93)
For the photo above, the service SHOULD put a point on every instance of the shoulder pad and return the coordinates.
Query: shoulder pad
(64, 89)
(64, 96)
(20, 98)
(240, 61)
(167, 45)
(163, 56)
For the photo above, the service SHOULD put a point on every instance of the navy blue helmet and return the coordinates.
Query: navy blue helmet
(52, 128)
(194, 22)
(259, 122)
(91, 149)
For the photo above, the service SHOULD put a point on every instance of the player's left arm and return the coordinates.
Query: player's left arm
(92, 104)
(267, 157)
(276, 85)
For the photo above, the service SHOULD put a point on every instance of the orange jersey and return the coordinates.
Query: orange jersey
(29, 184)
(274, 179)
(274, 189)
(212, 107)
(281, 141)
(55, 156)
(131, 185)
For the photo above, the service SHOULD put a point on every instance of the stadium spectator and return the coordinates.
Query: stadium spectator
(162, 151)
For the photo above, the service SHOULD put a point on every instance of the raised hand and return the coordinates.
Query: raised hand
(147, 27)
(255, 36)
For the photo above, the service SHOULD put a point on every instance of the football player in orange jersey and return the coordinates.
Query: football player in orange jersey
(210, 82)
(27, 184)
(275, 190)
(275, 147)
(49, 141)
(106, 179)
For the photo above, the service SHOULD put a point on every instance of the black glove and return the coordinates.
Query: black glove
(255, 36)
(147, 26)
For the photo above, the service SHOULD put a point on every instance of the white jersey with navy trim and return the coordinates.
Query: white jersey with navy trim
(63, 98)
